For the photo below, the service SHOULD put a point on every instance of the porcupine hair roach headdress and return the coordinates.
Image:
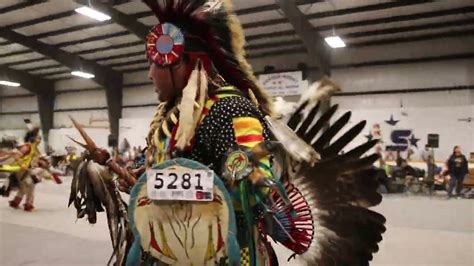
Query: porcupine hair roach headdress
(207, 26)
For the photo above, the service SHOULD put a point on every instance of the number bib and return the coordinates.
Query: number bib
(184, 228)
(180, 183)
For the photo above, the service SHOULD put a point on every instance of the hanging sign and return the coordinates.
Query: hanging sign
(283, 84)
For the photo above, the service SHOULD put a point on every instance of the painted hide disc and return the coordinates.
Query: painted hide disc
(165, 44)
(185, 232)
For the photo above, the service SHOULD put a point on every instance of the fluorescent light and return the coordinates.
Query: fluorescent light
(9, 83)
(82, 74)
(335, 41)
(92, 13)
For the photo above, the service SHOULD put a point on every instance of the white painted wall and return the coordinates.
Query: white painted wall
(12, 133)
(74, 84)
(135, 130)
(406, 76)
(8, 122)
(136, 118)
(58, 138)
(94, 118)
(139, 95)
(12, 125)
(19, 104)
(136, 77)
(429, 48)
(24, 103)
(428, 112)
(139, 112)
(81, 99)
(19, 134)
(423, 113)
(433, 112)
(9, 91)
(95, 121)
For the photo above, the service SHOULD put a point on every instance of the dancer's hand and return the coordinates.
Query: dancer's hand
(100, 156)
(125, 183)
(126, 177)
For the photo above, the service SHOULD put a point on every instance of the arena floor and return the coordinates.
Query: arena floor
(421, 231)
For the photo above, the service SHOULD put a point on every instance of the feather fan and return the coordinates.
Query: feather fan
(92, 190)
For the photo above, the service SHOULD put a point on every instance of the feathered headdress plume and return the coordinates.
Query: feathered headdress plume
(319, 90)
(189, 111)
(215, 26)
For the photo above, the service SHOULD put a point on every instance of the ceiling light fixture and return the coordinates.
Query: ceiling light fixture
(82, 74)
(92, 13)
(335, 41)
(9, 83)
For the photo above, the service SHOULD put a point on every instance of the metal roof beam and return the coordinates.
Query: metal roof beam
(318, 51)
(352, 10)
(312, 41)
(39, 20)
(70, 60)
(129, 23)
(20, 5)
(122, 19)
(325, 14)
(299, 50)
(349, 36)
(242, 11)
(110, 79)
(333, 13)
(30, 82)
(44, 90)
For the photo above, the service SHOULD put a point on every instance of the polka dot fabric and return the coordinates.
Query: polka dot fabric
(216, 135)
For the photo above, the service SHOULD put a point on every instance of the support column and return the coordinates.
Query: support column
(46, 113)
(114, 95)
(44, 90)
(318, 51)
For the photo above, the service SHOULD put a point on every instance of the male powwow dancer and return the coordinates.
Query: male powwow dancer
(264, 180)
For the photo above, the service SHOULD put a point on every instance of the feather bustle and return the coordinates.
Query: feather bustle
(339, 189)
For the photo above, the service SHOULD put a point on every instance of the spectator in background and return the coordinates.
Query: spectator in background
(117, 157)
(410, 152)
(399, 160)
(402, 163)
(380, 163)
(71, 159)
(134, 153)
(457, 168)
(427, 153)
(431, 172)
(381, 170)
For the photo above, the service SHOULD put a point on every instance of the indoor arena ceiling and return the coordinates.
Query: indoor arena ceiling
(48, 39)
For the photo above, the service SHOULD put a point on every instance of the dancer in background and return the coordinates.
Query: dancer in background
(26, 169)
(24, 157)
(457, 167)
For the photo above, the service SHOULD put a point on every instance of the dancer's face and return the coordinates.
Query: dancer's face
(169, 81)
(457, 151)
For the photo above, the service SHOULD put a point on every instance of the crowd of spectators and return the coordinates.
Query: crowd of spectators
(450, 176)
